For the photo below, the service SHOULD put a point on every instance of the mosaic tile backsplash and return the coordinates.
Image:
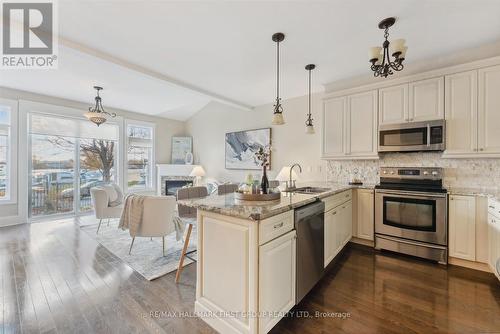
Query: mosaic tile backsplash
(458, 173)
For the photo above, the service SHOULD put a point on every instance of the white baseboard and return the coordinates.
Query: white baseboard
(11, 220)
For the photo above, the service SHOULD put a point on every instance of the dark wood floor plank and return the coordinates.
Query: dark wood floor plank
(56, 279)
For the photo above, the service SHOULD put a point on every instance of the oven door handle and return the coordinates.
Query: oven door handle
(428, 135)
(407, 194)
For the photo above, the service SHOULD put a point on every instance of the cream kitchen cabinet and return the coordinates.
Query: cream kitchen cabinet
(393, 104)
(362, 125)
(338, 228)
(426, 100)
(489, 110)
(412, 102)
(461, 113)
(344, 233)
(350, 127)
(494, 236)
(364, 214)
(462, 227)
(334, 127)
(472, 113)
(277, 274)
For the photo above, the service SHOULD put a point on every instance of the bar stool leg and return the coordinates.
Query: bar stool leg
(183, 254)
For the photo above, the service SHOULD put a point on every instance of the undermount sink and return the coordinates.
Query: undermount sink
(310, 190)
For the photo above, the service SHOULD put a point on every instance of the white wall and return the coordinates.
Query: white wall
(165, 129)
(290, 143)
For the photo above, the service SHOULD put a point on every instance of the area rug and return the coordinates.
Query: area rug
(146, 257)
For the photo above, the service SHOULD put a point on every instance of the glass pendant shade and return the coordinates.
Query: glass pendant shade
(278, 119)
(310, 129)
(96, 117)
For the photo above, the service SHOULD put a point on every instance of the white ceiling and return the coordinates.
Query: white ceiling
(223, 49)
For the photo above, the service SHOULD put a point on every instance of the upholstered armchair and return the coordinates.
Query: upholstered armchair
(157, 218)
(107, 201)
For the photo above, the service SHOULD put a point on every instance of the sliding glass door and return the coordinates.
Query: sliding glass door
(69, 156)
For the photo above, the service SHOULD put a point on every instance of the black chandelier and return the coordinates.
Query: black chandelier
(382, 66)
(309, 121)
(97, 114)
(278, 108)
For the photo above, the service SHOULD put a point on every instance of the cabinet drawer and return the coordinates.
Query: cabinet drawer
(337, 199)
(273, 227)
(494, 207)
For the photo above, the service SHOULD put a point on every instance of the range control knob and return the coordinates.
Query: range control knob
(385, 172)
(426, 172)
(392, 172)
(434, 173)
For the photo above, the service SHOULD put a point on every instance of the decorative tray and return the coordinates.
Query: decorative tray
(257, 197)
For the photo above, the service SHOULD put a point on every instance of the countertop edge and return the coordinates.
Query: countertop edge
(285, 208)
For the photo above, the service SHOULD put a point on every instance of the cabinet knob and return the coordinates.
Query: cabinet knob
(481, 149)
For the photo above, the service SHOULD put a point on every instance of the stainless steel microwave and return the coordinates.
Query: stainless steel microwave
(412, 137)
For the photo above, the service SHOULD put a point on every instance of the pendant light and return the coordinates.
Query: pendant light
(278, 108)
(97, 114)
(380, 57)
(309, 121)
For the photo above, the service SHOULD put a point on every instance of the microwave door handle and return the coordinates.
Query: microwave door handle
(428, 135)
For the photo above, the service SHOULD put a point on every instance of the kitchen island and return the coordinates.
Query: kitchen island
(246, 269)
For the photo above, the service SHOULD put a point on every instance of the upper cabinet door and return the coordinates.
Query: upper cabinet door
(393, 104)
(334, 114)
(426, 100)
(362, 124)
(461, 113)
(489, 110)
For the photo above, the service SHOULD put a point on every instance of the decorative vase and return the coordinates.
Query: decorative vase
(264, 184)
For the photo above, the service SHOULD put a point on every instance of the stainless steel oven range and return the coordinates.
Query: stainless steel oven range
(411, 212)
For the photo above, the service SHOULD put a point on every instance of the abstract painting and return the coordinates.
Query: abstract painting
(241, 147)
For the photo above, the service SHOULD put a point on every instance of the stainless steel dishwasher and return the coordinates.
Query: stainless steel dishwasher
(309, 224)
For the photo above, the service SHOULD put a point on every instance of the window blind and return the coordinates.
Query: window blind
(42, 124)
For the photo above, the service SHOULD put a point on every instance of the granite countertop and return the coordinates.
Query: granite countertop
(493, 192)
(229, 206)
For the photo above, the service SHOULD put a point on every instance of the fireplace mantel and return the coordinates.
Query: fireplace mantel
(172, 172)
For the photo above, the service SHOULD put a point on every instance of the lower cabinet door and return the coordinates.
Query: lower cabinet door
(462, 227)
(332, 229)
(277, 266)
(492, 242)
(347, 222)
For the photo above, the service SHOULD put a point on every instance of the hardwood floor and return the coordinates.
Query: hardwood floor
(56, 279)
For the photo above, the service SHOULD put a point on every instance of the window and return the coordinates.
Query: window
(69, 156)
(140, 156)
(5, 153)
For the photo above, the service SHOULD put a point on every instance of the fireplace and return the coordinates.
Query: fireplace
(171, 186)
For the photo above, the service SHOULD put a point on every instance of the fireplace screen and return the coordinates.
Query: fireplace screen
(171, 186)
